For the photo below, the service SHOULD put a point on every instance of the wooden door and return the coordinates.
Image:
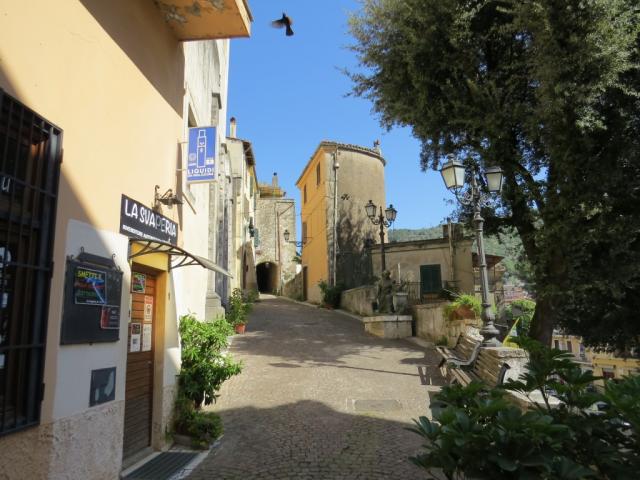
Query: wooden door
(304, 283)
(139, 383)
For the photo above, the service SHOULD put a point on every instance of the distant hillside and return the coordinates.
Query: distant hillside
(507, 246)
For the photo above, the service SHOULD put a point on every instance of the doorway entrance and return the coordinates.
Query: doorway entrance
(268, 275)
(140, 346)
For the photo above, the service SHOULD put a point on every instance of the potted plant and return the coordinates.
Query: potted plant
(463, 306)
(238, 311)
(204, 367)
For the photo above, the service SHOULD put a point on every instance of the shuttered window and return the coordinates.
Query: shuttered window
(30, 156)
(430, 279)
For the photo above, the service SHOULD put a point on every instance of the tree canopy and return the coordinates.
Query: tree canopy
(549, 90)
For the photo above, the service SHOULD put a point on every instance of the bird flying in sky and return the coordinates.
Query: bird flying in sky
(285, 21)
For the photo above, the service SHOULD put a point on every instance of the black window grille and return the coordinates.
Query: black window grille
(30, 156)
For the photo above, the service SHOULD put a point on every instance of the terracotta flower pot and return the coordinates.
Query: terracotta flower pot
(463, 312)
(239, 328)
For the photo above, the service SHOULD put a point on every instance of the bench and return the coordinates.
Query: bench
(478, 374)
(463, 355)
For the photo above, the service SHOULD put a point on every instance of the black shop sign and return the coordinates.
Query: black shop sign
(140, 221)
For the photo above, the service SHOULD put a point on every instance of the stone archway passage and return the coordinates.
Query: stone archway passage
(268, 274)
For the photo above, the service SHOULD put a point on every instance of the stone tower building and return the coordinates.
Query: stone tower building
(335, 185)
(275, 214)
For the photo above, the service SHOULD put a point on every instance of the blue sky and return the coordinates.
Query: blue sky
(288, 94)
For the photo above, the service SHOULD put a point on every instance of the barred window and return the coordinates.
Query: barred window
(30, 155)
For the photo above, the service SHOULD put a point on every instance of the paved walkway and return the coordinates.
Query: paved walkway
(318, 399)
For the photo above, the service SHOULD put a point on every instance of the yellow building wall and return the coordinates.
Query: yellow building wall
(111, 76)
(314, 214)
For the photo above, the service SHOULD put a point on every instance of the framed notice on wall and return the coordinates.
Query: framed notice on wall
(91, 303)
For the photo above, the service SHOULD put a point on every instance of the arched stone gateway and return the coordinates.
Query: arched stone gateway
(268, 274)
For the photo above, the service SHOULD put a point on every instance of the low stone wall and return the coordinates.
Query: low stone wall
(432, 326)
(388, 325)
(359, 300)
(293, 288)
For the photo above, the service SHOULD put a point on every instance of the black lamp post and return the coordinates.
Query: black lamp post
(453, 173)
(390, 214)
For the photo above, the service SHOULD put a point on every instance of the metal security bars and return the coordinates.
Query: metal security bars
(30, 156)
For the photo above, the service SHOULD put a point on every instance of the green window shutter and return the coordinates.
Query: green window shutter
(430, 279)
(256, 237)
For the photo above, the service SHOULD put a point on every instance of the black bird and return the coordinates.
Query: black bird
(285, 21)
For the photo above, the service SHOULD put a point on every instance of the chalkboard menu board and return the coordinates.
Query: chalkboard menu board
(92, 292)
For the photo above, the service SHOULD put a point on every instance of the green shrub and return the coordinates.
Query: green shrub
(202, 427)
(520, 311)
(204, 367)
(464, 300)
(480, 434)
(238, 309)
(331, 294)
(252, 296)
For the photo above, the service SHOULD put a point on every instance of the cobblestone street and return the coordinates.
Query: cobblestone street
(318, 398)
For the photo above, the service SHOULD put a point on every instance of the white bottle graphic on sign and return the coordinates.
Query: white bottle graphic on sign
(202, 148)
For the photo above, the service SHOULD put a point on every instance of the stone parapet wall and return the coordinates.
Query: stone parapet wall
(359, 300)
(433, 326)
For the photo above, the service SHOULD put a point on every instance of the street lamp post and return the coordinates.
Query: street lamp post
(383, 220)
(453, 173)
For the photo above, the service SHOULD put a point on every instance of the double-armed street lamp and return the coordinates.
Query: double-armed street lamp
(383, 220)
(453, 173)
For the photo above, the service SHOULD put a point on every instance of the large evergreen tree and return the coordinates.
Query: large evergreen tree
(549, 90)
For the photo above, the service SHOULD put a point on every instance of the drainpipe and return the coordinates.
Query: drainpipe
(336, 166)
(452, 252)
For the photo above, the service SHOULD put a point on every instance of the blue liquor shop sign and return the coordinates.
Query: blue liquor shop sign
(201, 154)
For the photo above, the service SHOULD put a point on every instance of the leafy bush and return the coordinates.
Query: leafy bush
(443, 341)
(202, 427)
(331, 294)
(462, 301)
(252, 296)
(520, 311)
(238, 310)
(204, 366)
(480, 434)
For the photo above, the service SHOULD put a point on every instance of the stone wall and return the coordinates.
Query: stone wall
(432, 325)
(293, 288)
(359, 300)
(273, 216)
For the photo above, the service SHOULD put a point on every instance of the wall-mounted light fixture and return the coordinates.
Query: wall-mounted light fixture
(251, 228)
(168, 198)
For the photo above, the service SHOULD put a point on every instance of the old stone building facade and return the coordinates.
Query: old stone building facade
(275, 245)
(335, 185)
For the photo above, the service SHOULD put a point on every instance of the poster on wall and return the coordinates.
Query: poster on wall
(201, 156)
(138, 282)
(110, 317)
(146, 337)
(89, 286)
(136, 333)
(148, 308)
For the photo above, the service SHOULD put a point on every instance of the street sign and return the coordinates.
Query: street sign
(201, 154)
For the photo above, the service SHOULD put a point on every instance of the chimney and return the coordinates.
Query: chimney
(274, 180)
(232, 127)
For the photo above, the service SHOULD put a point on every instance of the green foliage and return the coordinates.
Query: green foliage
(204, 366)
(331, 294)
(521, 311)
(480, 434)
(202, 427)
(463, 301)
(252, 296)
(550, 92)
(238, 309)
(443, 341)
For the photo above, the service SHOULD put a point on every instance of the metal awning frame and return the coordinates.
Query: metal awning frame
(185, 259)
